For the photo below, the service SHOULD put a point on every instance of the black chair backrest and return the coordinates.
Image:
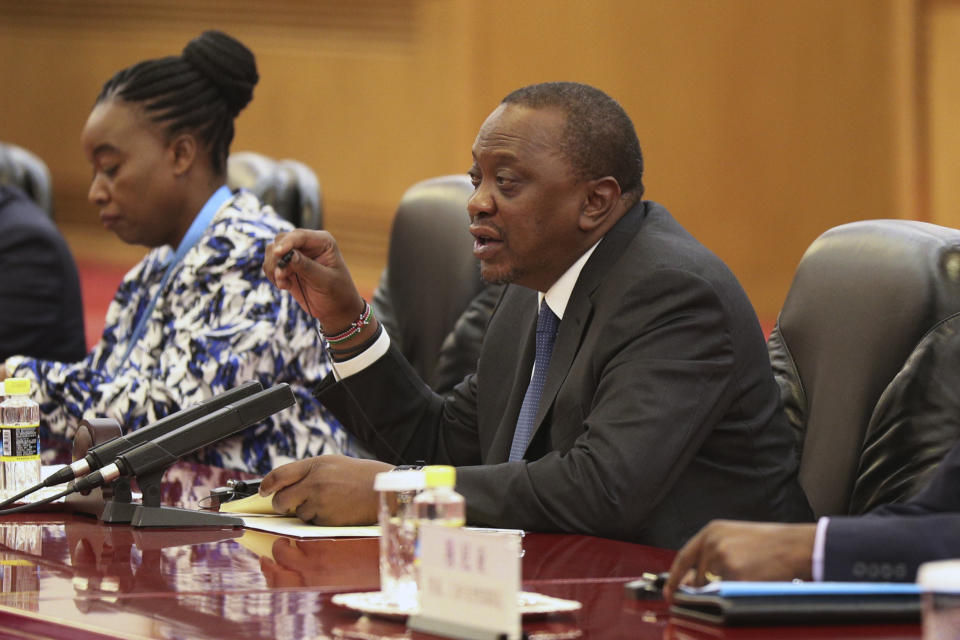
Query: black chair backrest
(306, 196)
(862, 298)
(431, 275)
(289, 186)
(28, 172)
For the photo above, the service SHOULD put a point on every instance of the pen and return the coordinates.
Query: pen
(285, 260)
(657, 580)
(650, 585)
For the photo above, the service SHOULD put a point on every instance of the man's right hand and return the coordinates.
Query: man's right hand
(325, 288)
(327, 490)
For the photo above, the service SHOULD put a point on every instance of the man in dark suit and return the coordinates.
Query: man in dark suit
(39, 287)
(654, 411)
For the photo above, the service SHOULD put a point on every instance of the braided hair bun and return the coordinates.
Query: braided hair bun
(201, 91)
(226, 63)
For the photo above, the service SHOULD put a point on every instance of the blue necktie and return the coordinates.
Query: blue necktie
(547, 323)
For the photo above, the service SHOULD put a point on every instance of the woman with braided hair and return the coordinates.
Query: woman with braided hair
(196, 316)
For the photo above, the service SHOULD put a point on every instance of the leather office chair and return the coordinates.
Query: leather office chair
(431, 279)
(289, 186)
(862, 298)
(28, 172)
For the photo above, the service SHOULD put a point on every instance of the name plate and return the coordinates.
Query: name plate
(469, 581)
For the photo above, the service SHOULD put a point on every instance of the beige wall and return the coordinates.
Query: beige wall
(763, 122)
(942, 65)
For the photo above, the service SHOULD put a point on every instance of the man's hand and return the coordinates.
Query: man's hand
(328, 292)
(327, 490)
(3, 372)
(316, 563)
(730, 550)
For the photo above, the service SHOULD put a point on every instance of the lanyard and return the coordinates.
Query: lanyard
(192, 237)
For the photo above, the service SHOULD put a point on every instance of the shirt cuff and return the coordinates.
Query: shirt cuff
(819, 544)
(359, 362)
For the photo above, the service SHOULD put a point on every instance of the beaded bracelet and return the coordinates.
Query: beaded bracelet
(352, 330)
(345, 354)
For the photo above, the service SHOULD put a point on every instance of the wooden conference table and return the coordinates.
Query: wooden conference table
(67, 575)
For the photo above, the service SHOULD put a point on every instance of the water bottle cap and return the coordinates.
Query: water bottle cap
(406, 480)
(16, 386)
(440, 475)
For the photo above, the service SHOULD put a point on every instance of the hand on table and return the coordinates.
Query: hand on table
(730, 550)
(328, 490)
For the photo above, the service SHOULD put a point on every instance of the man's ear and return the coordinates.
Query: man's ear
(183, 152)
(603, 194)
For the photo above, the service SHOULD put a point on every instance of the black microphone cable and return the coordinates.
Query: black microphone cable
(30, 506)
(22, 494)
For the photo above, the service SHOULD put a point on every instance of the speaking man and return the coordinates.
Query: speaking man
(623, 388)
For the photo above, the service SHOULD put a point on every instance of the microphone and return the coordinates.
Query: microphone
(108, 451)
(168, 448)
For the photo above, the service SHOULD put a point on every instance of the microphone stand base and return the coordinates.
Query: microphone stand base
(152, 514)
(174, 517)
(117, 512)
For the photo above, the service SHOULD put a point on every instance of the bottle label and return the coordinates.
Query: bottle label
(21, 442)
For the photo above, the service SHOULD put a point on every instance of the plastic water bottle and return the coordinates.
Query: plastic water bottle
(20, 426)
(439, 503)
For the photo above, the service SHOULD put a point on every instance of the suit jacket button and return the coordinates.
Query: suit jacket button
(859, 570)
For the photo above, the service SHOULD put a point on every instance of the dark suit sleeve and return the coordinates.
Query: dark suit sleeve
(892, 548)
(400, 419)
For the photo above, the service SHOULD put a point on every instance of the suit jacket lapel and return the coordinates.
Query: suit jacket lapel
(576, 317)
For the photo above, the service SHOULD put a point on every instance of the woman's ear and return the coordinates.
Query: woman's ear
(183, 149)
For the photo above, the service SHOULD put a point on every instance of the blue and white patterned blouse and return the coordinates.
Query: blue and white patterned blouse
(218, 323)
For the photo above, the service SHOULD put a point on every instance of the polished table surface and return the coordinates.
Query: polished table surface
(67, 575)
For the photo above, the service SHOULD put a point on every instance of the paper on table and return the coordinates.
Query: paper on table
(297, 528)
(257, 513)
(254, 505)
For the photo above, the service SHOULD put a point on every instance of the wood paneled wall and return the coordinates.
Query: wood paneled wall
(763, 123)
(942, 103)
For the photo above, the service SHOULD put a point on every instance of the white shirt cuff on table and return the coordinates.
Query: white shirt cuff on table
(359, 362)
(819, 547)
